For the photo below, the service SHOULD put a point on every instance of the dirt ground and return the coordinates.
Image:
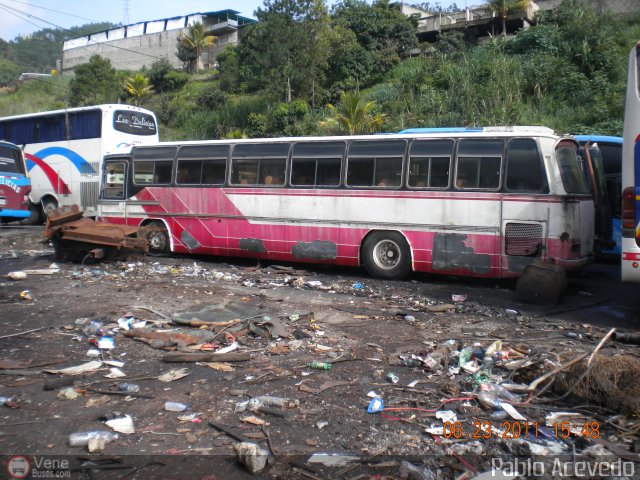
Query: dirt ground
(368, 328)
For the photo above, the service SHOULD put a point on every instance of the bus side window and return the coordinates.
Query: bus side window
(429, 163)
(202, 164)
(317, 164)
(259, 164)
(153, 165)
(189, 172)
(525, 170)
(479, 162)
(214, 171)
(162, 173)
(375, 163)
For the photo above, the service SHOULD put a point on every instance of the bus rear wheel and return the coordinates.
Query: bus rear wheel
(35, 218)
(157, 238)
(386, 255)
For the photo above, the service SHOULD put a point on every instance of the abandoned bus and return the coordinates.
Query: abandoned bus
(64, 148)
(14, 184)
(484, 204)
(630, 258)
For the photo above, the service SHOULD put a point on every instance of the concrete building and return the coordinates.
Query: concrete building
(133, 46)
(482, 22)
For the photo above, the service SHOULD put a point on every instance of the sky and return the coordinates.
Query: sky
(21, 17)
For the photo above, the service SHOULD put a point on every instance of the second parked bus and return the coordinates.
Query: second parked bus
(14, 184)
(64, 148)
(484, 204)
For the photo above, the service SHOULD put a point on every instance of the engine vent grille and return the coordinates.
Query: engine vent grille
(523, 239)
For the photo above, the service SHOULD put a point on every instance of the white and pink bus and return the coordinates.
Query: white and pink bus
(482, 203)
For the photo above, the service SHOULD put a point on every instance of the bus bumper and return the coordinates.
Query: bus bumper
(573, 264)
(15, 213)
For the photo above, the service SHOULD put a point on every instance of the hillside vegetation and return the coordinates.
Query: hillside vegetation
(305, 70)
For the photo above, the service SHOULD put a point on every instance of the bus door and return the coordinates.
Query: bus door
(115, 183)
(593, 168)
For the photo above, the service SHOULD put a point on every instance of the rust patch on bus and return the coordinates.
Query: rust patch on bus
(450, 253)
(317, 250)
(188, 241)
(252, 245)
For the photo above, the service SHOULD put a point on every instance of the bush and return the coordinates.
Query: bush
(175, 80)
(211, 98)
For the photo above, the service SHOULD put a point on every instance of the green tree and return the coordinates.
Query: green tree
(9, 72)
(287, 51)
(193, 42)
(384, 36)
(94, 82)
(504, 8)
(287, 118)
(138, 88)
(355, 115)
(165, 78)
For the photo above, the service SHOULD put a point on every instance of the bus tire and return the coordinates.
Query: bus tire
(48, 204)
(157, 238)
(36, 215)
(386, 255)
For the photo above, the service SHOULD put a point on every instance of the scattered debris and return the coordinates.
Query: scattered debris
(251, 456)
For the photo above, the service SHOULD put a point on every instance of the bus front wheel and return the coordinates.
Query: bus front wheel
(157, 238)
(386, 255)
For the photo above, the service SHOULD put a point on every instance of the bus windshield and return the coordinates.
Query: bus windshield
(10, 160)
(570, 171)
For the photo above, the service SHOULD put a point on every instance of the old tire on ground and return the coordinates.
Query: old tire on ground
(386, 255)
(157, 238)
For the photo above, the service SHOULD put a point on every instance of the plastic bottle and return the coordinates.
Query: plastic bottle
(489, 399)
(320, 365)
(465, 356)
(129, 387)
(503, 393)
(411, 362)
(95, 328)
(175, 407)
(81, 439)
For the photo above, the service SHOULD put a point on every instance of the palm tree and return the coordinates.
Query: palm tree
(506, 7)
(138, 88)
(196, 40)
(355, 115)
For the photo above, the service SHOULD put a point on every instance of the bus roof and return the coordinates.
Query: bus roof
(509, 129)
(102, 107)
(542, 132)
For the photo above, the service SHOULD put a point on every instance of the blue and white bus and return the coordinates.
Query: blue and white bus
(64, 150)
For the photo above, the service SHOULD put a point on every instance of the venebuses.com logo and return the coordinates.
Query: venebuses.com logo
(19, 466)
